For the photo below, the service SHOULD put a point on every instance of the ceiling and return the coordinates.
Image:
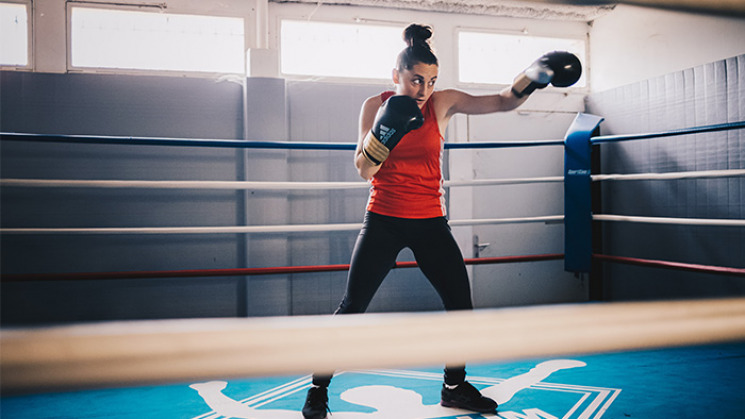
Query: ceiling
(573, 10)
(508, 8)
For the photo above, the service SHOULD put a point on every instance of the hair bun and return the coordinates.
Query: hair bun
(418, 50)
(416, 34)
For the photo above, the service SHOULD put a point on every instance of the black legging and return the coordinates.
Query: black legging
(380, 241)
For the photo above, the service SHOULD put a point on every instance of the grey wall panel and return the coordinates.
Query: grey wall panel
(85, 301)
(266, 120)
(703, 95)
(120, 106)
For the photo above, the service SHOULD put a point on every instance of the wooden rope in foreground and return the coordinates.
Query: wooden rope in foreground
(149, 352)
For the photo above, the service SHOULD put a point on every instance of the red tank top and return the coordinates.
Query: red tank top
(409, 183)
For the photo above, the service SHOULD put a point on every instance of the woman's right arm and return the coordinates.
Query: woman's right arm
(365, 167)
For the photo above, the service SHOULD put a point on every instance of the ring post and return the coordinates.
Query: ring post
(577, 198)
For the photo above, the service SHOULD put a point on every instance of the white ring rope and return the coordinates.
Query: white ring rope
(669, 220)
(248, 185)
(268, 185)
(549, 219)
(514, 181)
(305, 228)
(300, 228)
(287, 228)
(180, 184)
(672, 175)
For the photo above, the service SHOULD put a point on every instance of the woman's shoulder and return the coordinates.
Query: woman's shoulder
(370, 107)
(445, 100)
(448, 95)
(373, 102)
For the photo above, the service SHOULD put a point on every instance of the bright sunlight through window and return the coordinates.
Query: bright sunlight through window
(492, 58)
(339, 50)
(156, 41)
(13, 34)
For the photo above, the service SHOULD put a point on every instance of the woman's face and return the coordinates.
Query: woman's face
(417, 83)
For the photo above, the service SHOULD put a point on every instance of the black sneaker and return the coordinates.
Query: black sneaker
(316, 403)
(467, 397)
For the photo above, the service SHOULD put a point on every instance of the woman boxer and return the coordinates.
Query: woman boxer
(400, 152)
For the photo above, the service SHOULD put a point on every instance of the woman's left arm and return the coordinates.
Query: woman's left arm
(456, 101)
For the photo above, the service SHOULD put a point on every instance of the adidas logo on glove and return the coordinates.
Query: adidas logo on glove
(386, 133)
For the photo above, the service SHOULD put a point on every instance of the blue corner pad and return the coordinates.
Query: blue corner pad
(577, 197)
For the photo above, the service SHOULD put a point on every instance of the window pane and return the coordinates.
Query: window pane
(156, 41)
(339, 50)
(497, 59)
(13, 34)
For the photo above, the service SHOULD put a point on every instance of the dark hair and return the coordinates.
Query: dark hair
(418, 50)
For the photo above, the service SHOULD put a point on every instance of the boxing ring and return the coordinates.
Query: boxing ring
(577, 180)
(89, 356)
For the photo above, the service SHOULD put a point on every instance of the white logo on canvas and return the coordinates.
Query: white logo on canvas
(389, 401)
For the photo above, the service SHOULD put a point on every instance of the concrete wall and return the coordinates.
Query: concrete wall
(632, 44)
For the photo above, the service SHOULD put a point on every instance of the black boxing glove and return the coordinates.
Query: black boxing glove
(396, 117)
(560, 68)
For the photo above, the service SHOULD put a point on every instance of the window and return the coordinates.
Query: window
(492, 58)
(104, 38)
(339, 50)
(14, 34)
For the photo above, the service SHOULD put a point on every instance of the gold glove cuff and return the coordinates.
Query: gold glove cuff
(374, 151)
(522, 81)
